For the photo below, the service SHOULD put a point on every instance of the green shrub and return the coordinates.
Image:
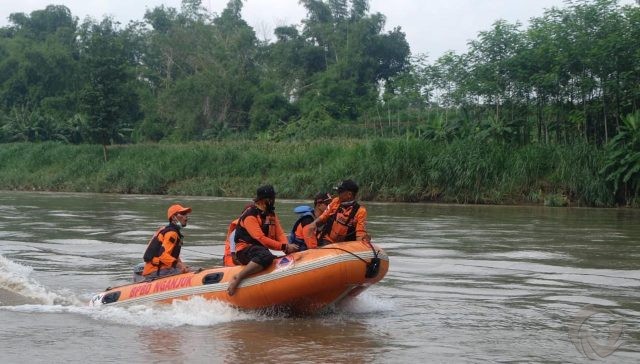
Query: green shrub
(411, 170)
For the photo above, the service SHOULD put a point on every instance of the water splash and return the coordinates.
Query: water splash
(367, 302)
(193, 312)
(20, 293)
(20, 288)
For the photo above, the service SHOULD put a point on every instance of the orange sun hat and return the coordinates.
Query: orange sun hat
(177, 209)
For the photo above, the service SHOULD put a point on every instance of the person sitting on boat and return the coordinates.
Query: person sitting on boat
(307, 215)
(162, 256)
(257, 231)
(229, 259)
(344, 219)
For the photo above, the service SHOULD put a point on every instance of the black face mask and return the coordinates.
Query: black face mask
(271, 206)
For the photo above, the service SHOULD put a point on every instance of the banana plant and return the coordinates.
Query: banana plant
(622, 166)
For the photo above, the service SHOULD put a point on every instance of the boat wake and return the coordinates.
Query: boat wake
(16, 287)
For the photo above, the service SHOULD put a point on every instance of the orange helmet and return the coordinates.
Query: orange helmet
(177, 209)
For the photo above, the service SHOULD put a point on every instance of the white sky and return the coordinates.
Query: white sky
(431, 26)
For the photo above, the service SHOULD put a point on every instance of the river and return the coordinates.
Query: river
(466, 284)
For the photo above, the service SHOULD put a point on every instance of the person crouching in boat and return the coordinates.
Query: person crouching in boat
(162, 256)
(307, 215)
(257, 231)
(344, 219)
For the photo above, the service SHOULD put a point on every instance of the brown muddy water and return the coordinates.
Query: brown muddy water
(466, 284)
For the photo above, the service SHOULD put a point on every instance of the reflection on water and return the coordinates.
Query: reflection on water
(264, 340)
(466, 284)
(294, 340)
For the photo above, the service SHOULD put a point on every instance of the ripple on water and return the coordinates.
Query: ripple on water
(582, 299)
(8, 234)
(527, 255)
(71, 242)
(547, 282)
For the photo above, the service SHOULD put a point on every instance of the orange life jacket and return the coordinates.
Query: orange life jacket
(296, 236)
(341, 225)
(155, 249)
(267, 222)
(229, 255)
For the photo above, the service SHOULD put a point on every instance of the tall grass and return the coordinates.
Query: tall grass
(462, 171)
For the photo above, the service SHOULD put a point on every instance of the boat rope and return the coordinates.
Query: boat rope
(346, 251)
(373, 266)
(201, 252)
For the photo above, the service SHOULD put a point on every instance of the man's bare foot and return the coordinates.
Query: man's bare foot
(233, 284)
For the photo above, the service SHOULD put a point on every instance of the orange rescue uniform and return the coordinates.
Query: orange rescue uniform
(228, 258)
(342, 222)
(256, 226)
(163, 250)
(298, 234)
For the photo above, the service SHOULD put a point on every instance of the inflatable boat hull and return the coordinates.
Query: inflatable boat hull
(303, 282)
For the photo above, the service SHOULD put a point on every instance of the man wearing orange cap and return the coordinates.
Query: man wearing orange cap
(162, 256)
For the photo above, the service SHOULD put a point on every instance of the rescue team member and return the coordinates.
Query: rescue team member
(344, 219)
(257, 231)
(307, 215)
(162, 256)
(229, 259)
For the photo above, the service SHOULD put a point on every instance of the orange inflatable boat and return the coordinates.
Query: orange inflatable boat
(303, 282)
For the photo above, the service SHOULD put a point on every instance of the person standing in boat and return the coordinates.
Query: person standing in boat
(344, 219)
(307, 216)
(162, 256)
(257, 231)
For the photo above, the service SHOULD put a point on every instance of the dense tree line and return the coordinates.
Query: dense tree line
(188, 74)
(573, 75)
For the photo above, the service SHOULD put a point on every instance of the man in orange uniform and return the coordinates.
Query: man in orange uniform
(344, 219)
(162, 256)
(257, 231)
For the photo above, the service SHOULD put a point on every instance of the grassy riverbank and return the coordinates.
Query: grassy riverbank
(387, 169)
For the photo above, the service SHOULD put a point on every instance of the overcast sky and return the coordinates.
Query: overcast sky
(432, 26)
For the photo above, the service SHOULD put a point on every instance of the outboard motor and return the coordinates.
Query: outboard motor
(137, 273)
